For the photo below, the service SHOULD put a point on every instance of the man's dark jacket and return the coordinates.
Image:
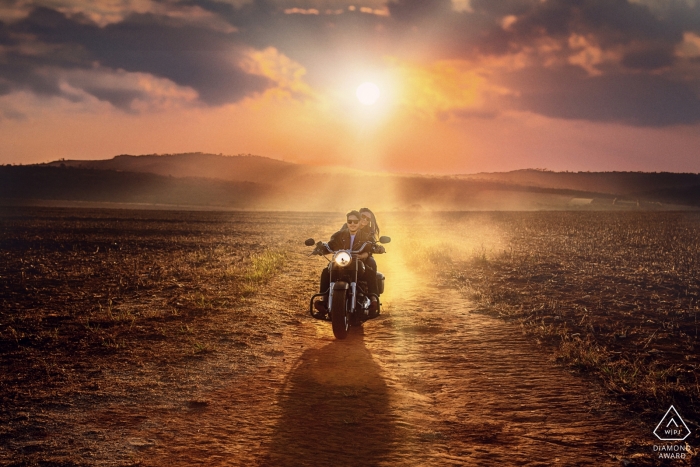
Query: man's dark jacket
(341, 240)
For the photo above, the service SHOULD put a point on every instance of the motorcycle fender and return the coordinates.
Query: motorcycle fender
(340, 285)
(380, 283)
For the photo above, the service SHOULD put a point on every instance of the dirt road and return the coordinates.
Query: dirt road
(429, 383)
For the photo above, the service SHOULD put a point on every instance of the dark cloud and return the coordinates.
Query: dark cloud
(120, 98)
(11, 114)
(648, 59)
(419, 10)
(503, 8)
(676, 15)
(635, 99)
(621, 22)
(189, 55)
(5, 38)
(646, 38)
(5, 88)
(641, 89)
(53, 27)
(254, 14)
(610, 24)
(27, 73)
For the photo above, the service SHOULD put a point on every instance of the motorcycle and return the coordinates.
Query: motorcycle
(348, 299)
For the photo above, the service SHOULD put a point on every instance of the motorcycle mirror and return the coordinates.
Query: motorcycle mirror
(309, 242)
(384, 239)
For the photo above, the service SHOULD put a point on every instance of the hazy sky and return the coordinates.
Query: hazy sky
(465, 85)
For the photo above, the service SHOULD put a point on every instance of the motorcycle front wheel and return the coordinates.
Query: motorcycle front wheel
(339, 315)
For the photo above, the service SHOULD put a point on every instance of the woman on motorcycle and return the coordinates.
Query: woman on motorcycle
(369, 222)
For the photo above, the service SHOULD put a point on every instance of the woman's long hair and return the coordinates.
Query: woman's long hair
(374, 227)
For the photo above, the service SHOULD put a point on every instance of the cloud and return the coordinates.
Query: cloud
(449, 88)
(596, 60)
(649, 58)
(287, 75)
(5, 38)
(189, 55)
(690, 47)
(18, 73)
(418, 10)
(637, 99)
(611, 21)
(599, 51)
(301, 11)
(9, 112)
(132, 92)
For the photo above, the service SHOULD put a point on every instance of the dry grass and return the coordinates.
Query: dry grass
(261, 268)
(84, 291)
(614, 294)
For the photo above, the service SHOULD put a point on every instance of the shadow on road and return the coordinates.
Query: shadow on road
(335, 409)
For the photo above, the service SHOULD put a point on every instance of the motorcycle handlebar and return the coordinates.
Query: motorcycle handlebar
(323, 249)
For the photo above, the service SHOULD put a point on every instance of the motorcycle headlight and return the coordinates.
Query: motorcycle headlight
(342, 258)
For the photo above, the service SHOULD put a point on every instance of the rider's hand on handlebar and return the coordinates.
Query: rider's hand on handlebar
(321, 249)
(379, 249)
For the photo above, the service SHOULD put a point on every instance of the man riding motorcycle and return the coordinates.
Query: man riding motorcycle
(351, 239)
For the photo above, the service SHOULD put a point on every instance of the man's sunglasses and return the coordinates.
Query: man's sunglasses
(353, 221)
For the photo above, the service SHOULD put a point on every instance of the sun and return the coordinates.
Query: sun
(367, 93)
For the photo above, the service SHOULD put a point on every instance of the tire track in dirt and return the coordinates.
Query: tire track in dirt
(428, 383)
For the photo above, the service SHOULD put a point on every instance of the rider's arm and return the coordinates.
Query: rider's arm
(365, 251)
(373, 240)
(334, 243)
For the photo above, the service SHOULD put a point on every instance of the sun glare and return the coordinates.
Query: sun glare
(367, 93)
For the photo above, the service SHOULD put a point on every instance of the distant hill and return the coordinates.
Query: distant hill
(74, 184)
(232, 168)
(254, 182)
(240, 168)
(616, 183)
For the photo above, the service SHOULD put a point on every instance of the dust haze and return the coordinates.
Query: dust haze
(247, 182)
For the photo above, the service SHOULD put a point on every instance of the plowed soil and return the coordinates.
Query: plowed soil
(427, 383)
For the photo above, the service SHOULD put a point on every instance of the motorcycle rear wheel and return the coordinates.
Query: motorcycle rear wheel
(339, 315)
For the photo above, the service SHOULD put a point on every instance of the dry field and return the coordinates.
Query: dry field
(88, 296)
(183, 338)
(611, 294)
